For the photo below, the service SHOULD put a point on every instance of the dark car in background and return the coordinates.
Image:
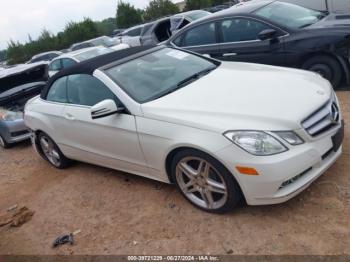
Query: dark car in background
(274, 33)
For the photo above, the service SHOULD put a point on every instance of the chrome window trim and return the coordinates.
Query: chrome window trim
(52, 102)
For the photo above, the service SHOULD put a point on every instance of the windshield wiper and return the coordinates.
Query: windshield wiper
(306, 25)
(194, 77)
(185, 82)
(319, 18)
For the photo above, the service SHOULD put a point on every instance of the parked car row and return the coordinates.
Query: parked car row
(104, 41)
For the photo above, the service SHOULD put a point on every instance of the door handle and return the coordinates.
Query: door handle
(229, 54)
(211, 55)
(69, 117)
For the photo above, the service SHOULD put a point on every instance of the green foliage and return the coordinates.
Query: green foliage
(127, 15)
(73, 32)
(218, 2)
(160, 8)
(78, 32)
(15, 53)
(197, 4)
(106, 26)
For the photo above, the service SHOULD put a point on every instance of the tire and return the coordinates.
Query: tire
(205, 182)
(327, 67)
(51, 152)
(3, 143)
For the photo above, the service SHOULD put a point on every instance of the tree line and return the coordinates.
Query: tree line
(126, 16)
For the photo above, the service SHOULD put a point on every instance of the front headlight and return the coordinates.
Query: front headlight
(6, 115)
(256, 142)
(290, 137)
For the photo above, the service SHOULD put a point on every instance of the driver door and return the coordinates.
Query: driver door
(110, 141)
(239, 37)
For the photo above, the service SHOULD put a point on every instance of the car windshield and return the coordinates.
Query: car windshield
(92, 53)
(290, 15)
(159, 73)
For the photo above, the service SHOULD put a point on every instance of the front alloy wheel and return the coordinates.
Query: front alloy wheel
(205, 182)
(201, 183)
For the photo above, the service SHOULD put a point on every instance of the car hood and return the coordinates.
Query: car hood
(244, 96)
(340, 21)
(22, 74)
(21, 92)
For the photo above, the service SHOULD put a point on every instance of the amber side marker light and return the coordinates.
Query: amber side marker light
(249, 171)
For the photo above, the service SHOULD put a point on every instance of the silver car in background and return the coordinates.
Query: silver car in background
(17, 85)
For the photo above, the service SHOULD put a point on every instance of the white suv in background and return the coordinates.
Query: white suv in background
(131, 36)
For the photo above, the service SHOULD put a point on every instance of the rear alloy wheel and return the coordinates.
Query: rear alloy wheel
(3, 143)
(205, 182)
(51, 152)
(327, 67)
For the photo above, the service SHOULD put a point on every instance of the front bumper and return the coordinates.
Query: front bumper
(275, 183)
(14, 131)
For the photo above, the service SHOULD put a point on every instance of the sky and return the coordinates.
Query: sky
(19, 18)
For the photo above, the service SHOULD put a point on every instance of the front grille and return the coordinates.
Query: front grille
(19, 133)
(324, 119)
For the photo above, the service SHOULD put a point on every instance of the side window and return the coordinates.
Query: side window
(200, 35)
(58, 91)
(55, 65)
(87, 90)
(52, 56)
(46, 57)
(178, 41)
(134, 32)
(67, 62)
(241, 29)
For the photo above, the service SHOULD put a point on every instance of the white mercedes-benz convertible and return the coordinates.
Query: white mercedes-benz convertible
(220, 131)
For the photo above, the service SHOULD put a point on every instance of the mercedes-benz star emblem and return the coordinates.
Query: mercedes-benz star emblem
(334, 114)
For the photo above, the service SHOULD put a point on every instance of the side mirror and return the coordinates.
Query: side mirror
(105, 108)
(267, 34)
